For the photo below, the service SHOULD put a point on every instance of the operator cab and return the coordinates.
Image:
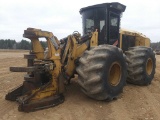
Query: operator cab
(105, 18)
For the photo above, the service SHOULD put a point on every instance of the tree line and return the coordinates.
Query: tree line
(156, 46)
(12, 44)
(26, 45)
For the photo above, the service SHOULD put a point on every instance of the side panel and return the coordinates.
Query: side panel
(141, 41)
(127, 41)
(130, 38)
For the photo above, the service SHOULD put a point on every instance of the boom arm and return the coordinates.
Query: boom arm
(44, 82)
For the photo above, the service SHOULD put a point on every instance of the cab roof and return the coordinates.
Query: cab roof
(118, 6)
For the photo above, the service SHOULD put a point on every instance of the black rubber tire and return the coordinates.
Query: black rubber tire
(137, 58)
(94, 69)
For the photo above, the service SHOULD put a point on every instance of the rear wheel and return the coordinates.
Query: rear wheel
(141, 65)
(102, 72)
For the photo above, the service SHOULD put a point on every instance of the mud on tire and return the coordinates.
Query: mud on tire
(102, 72)
(141, 65)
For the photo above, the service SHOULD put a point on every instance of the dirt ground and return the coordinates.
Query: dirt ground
(135, 103)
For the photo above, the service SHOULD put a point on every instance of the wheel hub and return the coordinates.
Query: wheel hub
(115, 74)
(149, 66)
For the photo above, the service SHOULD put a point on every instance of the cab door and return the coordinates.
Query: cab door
(113, 27)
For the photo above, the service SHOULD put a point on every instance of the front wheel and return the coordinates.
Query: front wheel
(102, 72)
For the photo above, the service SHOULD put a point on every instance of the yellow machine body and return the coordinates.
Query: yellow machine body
(49, 69)
(140, 39)
(37, 97)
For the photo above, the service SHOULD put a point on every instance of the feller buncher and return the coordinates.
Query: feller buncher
(104, 58)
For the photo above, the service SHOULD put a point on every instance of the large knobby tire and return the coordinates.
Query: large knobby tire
(102, 72)
(141, 65)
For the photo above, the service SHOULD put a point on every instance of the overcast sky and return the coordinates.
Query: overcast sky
(62, 16)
